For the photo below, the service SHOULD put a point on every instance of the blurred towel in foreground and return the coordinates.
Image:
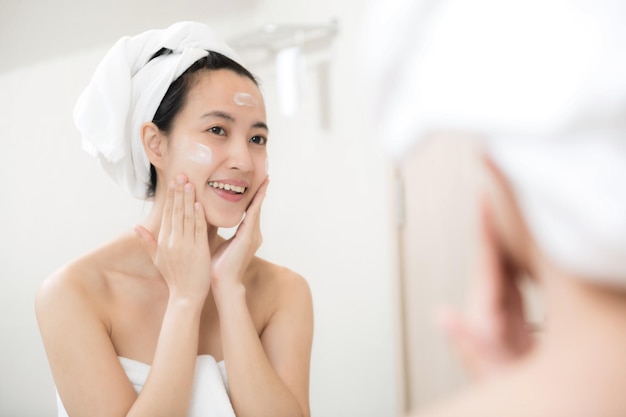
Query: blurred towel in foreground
(543, 83)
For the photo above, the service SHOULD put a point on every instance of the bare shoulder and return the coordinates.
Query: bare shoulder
(76, 286)
(82, 285)
(514, 393)
(267, 277)
(275, 292)
(90, 275)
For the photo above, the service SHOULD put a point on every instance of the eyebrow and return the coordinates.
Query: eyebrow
(226, 116)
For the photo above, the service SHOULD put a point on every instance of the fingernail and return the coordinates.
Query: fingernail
(180, 180)
(172, 185)
(187, 188)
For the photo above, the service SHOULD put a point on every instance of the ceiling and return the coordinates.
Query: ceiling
(35, 30)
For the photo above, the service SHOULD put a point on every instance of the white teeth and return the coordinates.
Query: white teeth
(227, 187)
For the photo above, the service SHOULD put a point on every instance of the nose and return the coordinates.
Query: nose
(239, 155)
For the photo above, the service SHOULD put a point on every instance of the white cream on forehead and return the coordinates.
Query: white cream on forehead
(199, 153)
(244, 99)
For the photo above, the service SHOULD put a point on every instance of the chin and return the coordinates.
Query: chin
(224, 221)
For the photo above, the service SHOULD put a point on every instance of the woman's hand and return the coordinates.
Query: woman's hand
(493, 332)
(182, 251)
(231, 258)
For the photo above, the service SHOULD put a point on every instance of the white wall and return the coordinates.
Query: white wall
(325, 216)
(57, 204)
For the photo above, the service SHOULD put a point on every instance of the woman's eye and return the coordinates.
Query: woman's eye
(259, 140)
(217, 130)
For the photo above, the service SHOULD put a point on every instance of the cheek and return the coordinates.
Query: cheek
(198, 154)
(194, 160)
(261, 167)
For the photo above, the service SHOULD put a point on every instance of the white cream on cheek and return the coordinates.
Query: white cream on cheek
(198, 153)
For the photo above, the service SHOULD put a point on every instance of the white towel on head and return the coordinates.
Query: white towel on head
(126, 90)
(543, 81)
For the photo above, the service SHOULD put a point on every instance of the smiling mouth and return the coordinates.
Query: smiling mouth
(234, 189)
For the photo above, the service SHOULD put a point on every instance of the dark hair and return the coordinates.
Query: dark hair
(176, 94)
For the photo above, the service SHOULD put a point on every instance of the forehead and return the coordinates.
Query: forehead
(221, 87)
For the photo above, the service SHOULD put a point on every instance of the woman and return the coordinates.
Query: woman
(172, 319)
(542, 83)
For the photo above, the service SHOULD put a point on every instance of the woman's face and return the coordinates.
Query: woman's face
(218, 141)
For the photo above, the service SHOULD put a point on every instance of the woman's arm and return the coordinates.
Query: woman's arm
(85, 366)
(268, 375)
(87, 372)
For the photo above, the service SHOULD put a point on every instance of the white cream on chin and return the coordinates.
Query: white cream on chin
(199, 153)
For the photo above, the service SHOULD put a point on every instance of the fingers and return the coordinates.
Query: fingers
(166, 220)
(189, 222)
(178, 207)
(250, 222)
(254, 209)
(491, 282)
(454, 326)
(460, 337)
(179, 213)
(481, 354)
(200, 227)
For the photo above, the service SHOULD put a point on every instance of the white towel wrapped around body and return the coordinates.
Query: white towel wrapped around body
(543, 82)
(126, 90)
(209, 395)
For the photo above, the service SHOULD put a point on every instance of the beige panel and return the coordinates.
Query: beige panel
(437, 247)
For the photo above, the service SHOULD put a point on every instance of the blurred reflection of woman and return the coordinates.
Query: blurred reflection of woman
(542, 83)
(172, 319)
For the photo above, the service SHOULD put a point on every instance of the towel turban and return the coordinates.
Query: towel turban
(126, 90)
(544, 82)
